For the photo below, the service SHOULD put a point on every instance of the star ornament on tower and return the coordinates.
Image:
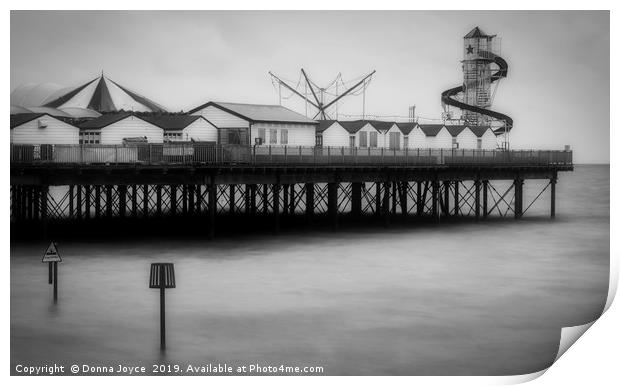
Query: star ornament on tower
(470, 49)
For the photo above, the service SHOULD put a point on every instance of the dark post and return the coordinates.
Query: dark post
(97, 201)
(122, 200)
(134, 201)
(518, 198)
(446, 198)
(394, 197)
(276, 207)
(212, 207)
(404, 191)
(184, 199)
(386, 202)
(554, 180)
(265, 199)
(162, 277)
(44, 214)
(309, 201)
(332, 203)
(378, 198)
(198, 199)
(173, 200)
(36, 195)
(485, 200)
(87, 201)
(78, 202)
(477, 198)
(145, 200)
(232, 198)
(191, 195)
(55, 281)
(291, 210)
(285, 204)
(356, 198)
(246, 200)
(71, 211)
(253, 199)
(419, 200)
(158, 198)
(108, 201)
(435, 198)
(50, 267)
(457, 209)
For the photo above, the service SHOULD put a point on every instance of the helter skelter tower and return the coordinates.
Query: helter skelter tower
(482, 69)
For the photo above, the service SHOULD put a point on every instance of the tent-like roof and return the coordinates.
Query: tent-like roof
(258, 113)
(104, 95)
(479, 131)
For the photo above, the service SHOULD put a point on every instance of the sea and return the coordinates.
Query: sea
(464, 298)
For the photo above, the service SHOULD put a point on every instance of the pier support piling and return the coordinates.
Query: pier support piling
(309, 201)
(332, 203)
(553, 182)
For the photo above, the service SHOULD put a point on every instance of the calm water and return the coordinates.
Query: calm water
(474, 298)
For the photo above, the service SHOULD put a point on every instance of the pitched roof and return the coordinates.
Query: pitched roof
(406, 127)
(354, 126)
(476, 33)
(324, 125)
(455, 130)
(20, 119)
(104, 120)
(431, 130)
(258, 113)
(172, 122)
(479, 131)
(381, 125)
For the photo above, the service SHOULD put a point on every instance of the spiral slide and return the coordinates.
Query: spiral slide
(446, 96)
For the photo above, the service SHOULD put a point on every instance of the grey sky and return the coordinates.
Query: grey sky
(557, 89)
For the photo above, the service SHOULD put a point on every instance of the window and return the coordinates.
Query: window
(319, 140)
(233, 137)
(261, 135)
(363, 139)
(373, 139)
(405, 141)
(273, 136)
(395, 140)
(89, 137)
(173, 136)
(479, 143)
(284, 136)
(351, 141)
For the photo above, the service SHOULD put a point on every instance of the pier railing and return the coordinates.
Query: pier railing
(201, 154)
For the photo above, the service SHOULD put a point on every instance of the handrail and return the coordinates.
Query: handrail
(196, 153)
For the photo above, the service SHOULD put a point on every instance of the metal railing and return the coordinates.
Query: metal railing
(201, 154)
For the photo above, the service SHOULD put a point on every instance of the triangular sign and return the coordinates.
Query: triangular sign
(51, 254)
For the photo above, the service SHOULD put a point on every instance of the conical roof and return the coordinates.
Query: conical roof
(476, 33)
(104, 95)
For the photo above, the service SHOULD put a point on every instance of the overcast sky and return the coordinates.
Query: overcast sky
(557, 89)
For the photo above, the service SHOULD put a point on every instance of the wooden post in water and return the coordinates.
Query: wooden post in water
(332, 203)
(356, 198)
(55, 281)
(457, 209)
(162, 277)
(477, 198)
(553, 181)
(276, 207)
(485, 198)
(309, 201)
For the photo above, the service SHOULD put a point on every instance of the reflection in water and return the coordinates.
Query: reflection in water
(481, 298)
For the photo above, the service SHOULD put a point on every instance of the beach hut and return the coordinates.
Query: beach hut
(183, 128)
(42, 128)
(113, 128)
(261, 125)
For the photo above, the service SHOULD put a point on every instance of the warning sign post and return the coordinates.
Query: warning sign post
(52, 258)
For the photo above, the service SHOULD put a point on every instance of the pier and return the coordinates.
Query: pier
(203, 182)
